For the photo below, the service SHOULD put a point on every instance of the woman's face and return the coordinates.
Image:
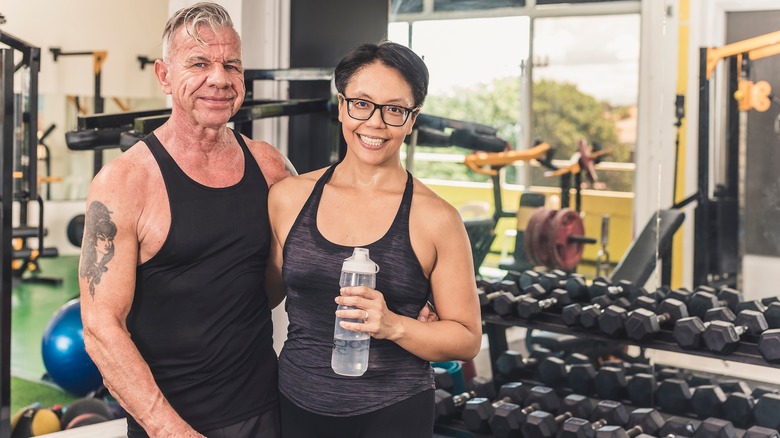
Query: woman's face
(103, 244)
(373, 140)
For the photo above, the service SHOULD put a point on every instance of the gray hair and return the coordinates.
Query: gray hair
(192, 17)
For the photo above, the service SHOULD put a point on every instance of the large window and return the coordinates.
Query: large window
(583, 83)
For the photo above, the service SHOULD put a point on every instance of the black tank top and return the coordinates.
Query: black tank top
(311, 269)
(200, 315)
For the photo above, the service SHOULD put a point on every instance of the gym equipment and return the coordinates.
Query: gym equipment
(642, 325)
(478, 410)
(723, 337)
(528, 307)
(34, 421)
(542, 424)
(75, 230)
(555, 238)
(701, 301)
(769, 345)
(506, 419)
(67, 362)
(766, 409)
(85, 411)
(447, 405)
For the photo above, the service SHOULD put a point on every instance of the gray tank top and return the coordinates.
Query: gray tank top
(311, 269)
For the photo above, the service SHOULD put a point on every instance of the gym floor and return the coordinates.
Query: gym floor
(33, 306)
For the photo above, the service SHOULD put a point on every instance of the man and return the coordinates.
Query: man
(175, 313)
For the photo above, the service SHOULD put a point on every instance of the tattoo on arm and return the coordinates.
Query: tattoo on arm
(98, 244)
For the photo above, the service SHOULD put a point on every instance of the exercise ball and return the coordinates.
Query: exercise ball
(34, 421)
(64, 356)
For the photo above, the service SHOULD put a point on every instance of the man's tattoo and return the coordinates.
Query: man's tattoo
(97, 248)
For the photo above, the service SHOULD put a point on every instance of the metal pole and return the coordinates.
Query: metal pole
(6, 234)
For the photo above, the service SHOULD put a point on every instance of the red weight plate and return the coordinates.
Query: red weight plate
(536, 243)
(563, 253)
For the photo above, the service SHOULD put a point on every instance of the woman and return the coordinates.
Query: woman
(417, 239)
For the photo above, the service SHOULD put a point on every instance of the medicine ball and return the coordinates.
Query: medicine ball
(64, 356)
(85, 411)
(75, 230)
(34, 421)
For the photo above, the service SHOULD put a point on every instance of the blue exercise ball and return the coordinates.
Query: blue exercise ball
(64, 356)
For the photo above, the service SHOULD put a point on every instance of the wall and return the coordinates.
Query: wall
(125, 29)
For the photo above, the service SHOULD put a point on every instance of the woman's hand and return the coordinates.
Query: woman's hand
(370, 306)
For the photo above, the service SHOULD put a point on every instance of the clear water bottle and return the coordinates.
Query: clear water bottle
(350, 348)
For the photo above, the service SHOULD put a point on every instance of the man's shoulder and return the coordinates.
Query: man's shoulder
(128, 172)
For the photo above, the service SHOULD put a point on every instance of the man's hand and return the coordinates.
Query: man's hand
(428, 313)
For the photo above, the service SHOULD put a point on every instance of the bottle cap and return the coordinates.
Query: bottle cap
(359, 262)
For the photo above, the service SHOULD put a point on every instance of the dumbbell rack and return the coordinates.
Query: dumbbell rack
(495, 326)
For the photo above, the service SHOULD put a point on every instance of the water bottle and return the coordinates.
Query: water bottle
(350, 348)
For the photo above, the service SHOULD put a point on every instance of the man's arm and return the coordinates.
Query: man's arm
(107, 283)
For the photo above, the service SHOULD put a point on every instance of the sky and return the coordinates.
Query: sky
(598, 54)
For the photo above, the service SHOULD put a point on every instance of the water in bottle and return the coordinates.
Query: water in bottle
(350, 348)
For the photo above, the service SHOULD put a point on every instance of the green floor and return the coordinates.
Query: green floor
(33, 305)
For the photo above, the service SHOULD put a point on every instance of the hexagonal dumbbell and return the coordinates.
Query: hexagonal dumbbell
(447, 405)
(715, 428)
(766, 411)
(552, 371)
(543, 424)
(688, 331)
(723, 337)
(674, 396)
(643, 421)
(511, 363)
(507, 418)
(707, 401)
(477, 411)
(611, 411)
(506, 304)
(612, 320)
(701, 301)
(642, 325)
(761, 432)
(577, 288)
(529, 307)
(769, 345)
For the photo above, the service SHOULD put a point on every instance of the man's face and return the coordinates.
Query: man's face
(206, 82)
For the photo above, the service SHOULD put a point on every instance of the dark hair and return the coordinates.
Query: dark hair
(391, 54)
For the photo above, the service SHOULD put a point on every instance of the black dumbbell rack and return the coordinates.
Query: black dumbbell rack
(495, 326)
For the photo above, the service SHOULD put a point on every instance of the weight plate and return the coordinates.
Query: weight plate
(536, 237)
(564, 253)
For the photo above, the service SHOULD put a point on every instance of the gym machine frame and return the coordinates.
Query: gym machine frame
(713, 262)
(6, 233)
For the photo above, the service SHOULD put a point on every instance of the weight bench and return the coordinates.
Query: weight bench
(638, 263)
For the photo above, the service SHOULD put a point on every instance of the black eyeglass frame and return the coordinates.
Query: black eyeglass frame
(349, 100)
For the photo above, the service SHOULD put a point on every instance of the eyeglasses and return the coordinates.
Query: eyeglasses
(392, 115)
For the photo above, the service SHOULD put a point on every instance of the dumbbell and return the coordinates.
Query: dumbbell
(674, 396)
(478, 411)
(447, 404)
(511, 363)
(769, 345)
(642, 325)
(688, 331)
(590, 316)
(766, 411)
(506, 303)
(442, 379)
(702, 300)
(642, 421)
(723, 337)
(577, 288)
(678, 427)
(621, 289)
(506, 419)
(528, 307)
(579, 375)
(543, 424)
(730, 400)
(715, 428)
(761, 432)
